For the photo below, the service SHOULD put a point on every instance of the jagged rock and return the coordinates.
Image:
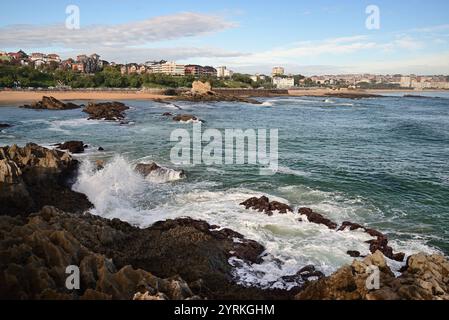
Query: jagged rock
(33, 176)
(317, 218)
(353, 253)
(4, 125)
(111, 111)
(263, 204)
(36, 252)
(72, 146)
(155, 173)
(168, 114)
(199, 87)
(425, 278)
(118, 260)
(51, 103)
(305, 274)
(100, 149)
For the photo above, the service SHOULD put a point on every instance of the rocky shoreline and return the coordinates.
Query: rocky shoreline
(45, 227)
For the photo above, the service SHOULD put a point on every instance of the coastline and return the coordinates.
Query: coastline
(16, 98)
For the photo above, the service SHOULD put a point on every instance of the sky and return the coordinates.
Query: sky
(307, 37)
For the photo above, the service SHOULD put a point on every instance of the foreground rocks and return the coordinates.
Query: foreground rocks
(264, 205)
(51, 103)
(111, 111)
(36, 252)
(119, 261)
(5, 125)
(33, 176)
(426, 278)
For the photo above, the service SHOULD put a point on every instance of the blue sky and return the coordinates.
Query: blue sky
(310, 37)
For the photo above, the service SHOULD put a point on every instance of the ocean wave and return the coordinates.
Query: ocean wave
(118, 191)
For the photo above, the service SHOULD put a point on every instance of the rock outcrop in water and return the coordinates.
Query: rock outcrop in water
(33, 176)
(202, 92)
(156, 173)
(51, 103)
(71, 146)
(186, 118)
(4, 125)
(111, 111)
(426, 278)
(264, 205)
(317, 218)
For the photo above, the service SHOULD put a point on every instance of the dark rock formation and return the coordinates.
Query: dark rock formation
(100, 149)
(317, 218)
(72, 146)
(352, 95)
(33, 176)
(5, 125)
(111, 111)
(168, 114)
(185, 118)
(163, 174)
(425, 278)
(263, 204)
(116, 259)
(305, 274)
(380, 243)
(353, 253)
(51, 103)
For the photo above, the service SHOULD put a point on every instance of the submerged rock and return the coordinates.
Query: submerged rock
(263, 204)
(112, 111)
(33, 176)
(5, 125)
(51, 103)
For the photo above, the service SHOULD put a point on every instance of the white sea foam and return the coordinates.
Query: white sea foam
(287, 170)
(118, 191)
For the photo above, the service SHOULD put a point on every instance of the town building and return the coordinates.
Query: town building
(283, 82)
(277, 71)
(173, 69)
(197, 70)
(224, 72)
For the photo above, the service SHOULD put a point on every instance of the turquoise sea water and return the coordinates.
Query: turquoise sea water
(382, 162)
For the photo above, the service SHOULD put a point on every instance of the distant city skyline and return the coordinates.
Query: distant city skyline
(316, 38)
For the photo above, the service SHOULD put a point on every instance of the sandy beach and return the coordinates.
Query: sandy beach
(13, 98)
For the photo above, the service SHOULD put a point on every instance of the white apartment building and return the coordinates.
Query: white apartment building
(224, 72)
(277, 71)
(173, 69)
(283, 83)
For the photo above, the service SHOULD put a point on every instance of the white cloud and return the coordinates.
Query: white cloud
(152, 30)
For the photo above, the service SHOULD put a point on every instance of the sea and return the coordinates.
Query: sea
(381, 162)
